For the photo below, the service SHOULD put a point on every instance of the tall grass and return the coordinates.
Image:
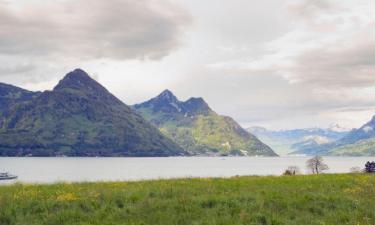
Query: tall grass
(300, 200)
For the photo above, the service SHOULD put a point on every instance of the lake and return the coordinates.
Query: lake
(49, 170)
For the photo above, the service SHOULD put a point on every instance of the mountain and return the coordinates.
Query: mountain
(298, 141)
(79, 117)
(358, 142)
(365, 147)
(198, 129)
(365, 132)
(10, 95)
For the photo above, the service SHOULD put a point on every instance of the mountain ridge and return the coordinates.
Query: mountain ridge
(297, 141)
(357, 142)
(198, 129)
(167, 102)
(79, 117)
(10, 95)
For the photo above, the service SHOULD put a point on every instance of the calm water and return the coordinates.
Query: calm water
(47, 170)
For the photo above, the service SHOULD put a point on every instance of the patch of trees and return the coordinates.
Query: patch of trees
(314, 165)
(370, 167)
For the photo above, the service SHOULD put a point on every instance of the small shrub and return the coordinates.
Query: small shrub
(287, 173)
(291, 171)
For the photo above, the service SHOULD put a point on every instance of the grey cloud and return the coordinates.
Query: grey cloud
(338, 48)
(353, 109)
(332, 45)
(16, 69)
(343, 67)
(307, 8)
(91, 29)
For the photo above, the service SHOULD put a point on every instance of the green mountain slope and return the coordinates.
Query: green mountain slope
(11, 95)
(365, 147)
(198, 129)
(79, 117)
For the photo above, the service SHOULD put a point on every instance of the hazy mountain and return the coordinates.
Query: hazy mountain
(79, 117)
(365, 147)
(198, 129)
(358, 142)
(298, 141)
(365, 132)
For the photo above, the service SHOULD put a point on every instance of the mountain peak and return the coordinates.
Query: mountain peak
(77, 74)
(78, 79)
(168, 96)
(164, 102)
(197, 106)
(197, 100)
(337, 128)
(167, 102)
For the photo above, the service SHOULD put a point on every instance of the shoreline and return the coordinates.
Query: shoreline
(16, 182)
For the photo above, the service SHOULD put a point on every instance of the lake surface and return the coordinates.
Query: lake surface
(49, 170)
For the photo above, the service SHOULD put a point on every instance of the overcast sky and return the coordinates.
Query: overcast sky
(275, 63)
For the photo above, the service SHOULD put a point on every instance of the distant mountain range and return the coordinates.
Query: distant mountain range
(198, 129)
(298, 141)
(334, 142)
(79, 117)
(358, 142)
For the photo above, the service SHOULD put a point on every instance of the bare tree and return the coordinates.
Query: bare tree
(316, 165)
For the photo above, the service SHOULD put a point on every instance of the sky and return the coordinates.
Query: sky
(281, 64)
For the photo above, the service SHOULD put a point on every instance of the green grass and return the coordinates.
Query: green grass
(300, 200)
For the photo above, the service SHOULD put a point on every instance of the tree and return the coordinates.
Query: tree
(370, 167)
(316, 165)
(292, 170)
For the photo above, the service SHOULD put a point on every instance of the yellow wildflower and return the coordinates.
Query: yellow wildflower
(66, 197)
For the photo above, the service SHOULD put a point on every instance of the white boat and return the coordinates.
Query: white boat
(7, 176)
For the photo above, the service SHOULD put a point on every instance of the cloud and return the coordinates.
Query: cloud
(91, 29)
(15, 69)
(308, 10)
(330, 45)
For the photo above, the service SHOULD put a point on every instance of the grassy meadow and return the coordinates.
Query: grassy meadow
(301, 200)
